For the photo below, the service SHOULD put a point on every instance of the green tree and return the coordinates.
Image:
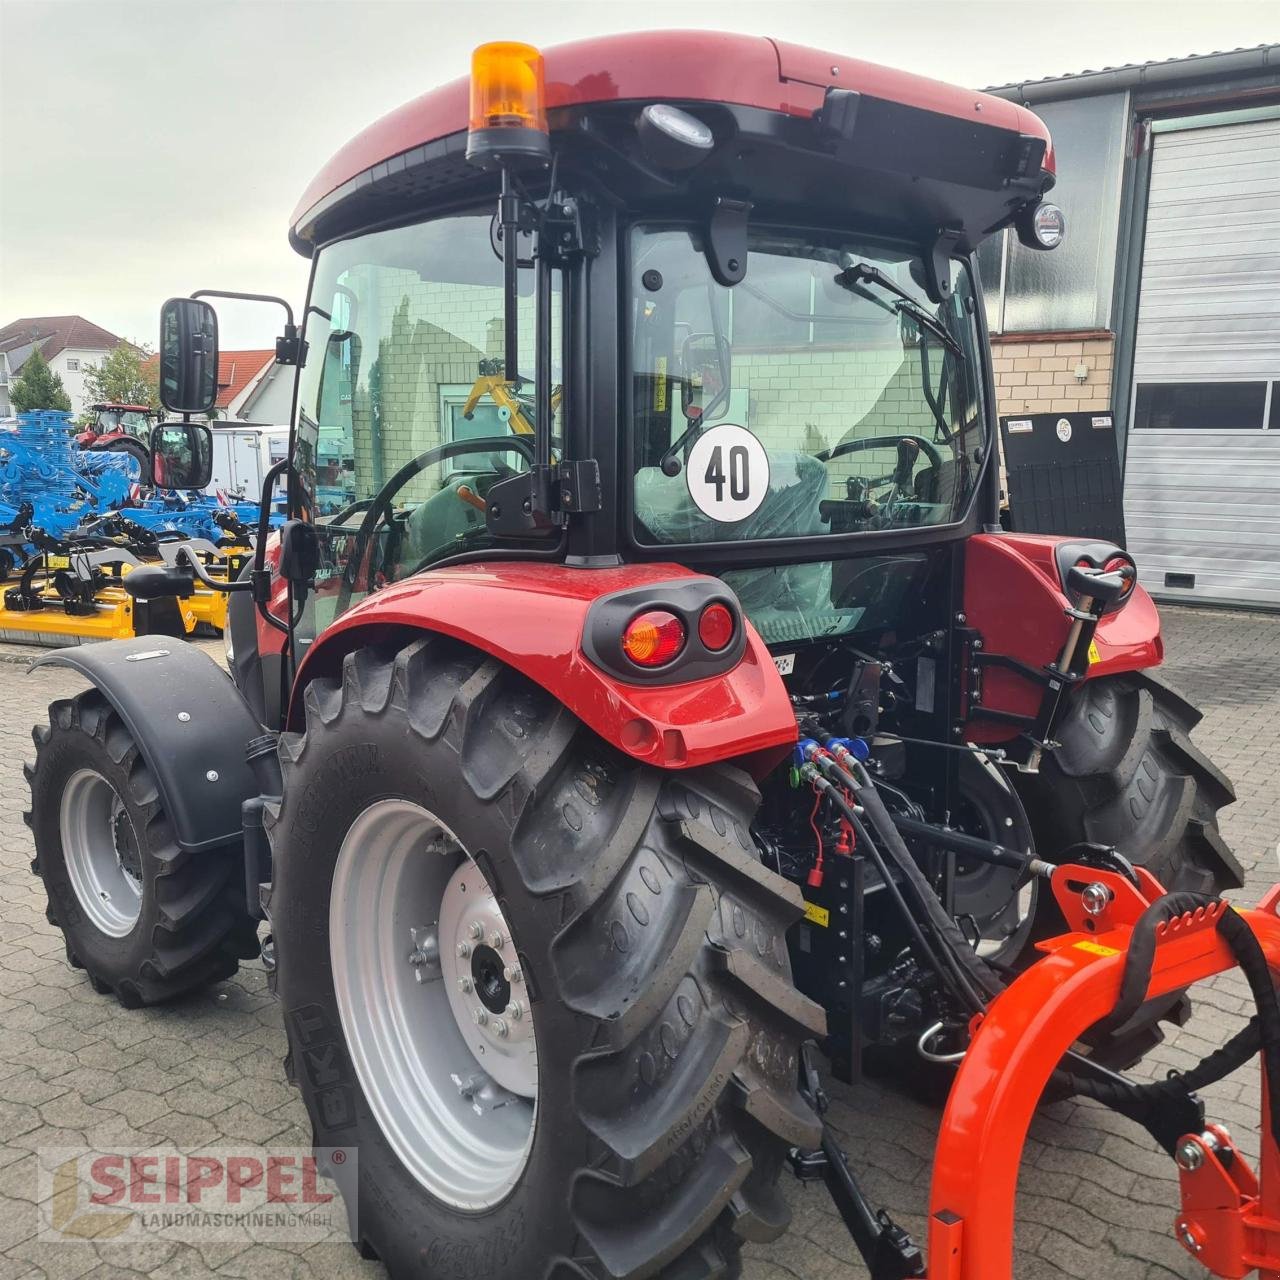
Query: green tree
(38, 387)
(120, 378)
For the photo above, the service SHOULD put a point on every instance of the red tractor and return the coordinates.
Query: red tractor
(120, 428)
(657, 696)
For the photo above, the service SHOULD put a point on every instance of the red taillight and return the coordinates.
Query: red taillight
(1118, 564)
(653, 639)
(715, 627)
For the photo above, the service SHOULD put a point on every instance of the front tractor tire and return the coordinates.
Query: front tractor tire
(1127, 774)
(542, 989)
(146, 920)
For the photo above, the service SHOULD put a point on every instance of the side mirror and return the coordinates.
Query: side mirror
(188, 356)
(705, 374)
(181, 455)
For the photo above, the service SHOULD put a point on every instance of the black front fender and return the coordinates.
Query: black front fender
(190, 723)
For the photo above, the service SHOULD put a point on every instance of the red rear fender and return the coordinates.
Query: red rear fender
(531, 617)
(1014, 599)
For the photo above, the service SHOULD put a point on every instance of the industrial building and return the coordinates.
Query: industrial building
(1163, 307)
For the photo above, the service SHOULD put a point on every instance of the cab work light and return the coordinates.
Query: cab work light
(508, 105)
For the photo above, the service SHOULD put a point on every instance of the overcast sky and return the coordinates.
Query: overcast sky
(152, 147)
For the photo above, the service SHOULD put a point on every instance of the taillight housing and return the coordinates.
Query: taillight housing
(654, 638)
(666, 632)
(1095, 557)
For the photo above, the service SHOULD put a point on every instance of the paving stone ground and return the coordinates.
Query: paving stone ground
(1096, 1199)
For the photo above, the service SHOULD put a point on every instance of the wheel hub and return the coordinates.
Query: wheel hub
(102, 853)
(485, 984)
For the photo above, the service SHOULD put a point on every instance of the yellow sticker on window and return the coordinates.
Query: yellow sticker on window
(818, 915)
(1094, 655)
(660, 385)
(1096, 948)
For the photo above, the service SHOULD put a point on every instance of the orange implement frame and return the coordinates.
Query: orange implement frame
(1230, 1218)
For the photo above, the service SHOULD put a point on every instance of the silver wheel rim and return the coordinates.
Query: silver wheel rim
(451, 1077)
(102, 853)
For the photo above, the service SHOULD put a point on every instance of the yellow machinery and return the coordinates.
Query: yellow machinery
(72, 596)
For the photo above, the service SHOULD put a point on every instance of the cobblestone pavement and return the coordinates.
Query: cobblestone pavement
(1096, 1199)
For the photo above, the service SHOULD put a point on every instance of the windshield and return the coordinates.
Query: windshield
(823, 394)
(403, 370)
(131, 420)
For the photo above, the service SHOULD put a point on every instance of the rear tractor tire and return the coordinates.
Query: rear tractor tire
(1127, 774)
(145, 920)
(542, 989)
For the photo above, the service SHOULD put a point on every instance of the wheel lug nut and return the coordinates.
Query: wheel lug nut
(463, 951)
(512, 974)
(481, 1017)
(497, 941)
(476, 931)
(500, 1028)
(515, 1011)
(465, 985)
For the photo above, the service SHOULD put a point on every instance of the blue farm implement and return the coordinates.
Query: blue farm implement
(73, 526)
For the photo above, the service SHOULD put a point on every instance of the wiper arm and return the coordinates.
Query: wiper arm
(862, 273)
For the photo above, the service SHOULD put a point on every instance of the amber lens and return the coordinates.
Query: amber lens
(654, 638)
(507, 90)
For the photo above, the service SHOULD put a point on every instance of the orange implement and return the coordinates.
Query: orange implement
(1230, 1218)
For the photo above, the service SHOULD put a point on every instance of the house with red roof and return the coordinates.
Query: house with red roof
(251, 387)
(69, 345)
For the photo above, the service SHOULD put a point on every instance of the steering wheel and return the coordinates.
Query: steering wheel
(909, 448)
(379, 506)
(927, 447)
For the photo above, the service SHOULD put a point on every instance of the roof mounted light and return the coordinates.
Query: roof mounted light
(508, 105)
(674, 139)
(1044, 227)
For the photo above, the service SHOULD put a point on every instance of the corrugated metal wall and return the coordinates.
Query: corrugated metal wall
(1206, 500)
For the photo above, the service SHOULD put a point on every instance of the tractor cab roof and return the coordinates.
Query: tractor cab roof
(799, 133)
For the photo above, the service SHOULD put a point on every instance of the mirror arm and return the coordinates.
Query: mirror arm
(289, 346)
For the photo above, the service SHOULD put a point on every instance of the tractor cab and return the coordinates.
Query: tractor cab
(116, 422)
(642, 693)
(120, 428)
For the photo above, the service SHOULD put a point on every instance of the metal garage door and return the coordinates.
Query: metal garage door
(1202, 469)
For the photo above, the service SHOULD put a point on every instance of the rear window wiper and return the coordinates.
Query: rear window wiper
(863, 273)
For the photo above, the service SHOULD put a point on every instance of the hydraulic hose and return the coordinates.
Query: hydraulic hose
(975, 977)
(956, 981)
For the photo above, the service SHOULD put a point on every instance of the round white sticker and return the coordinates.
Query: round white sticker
(1064, 430)
(727, 473)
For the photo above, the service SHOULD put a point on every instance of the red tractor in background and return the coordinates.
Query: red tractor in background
(120, 428)
(657, 696)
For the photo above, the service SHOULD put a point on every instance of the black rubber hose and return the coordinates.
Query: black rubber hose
(1166, 1108)
(956, 946)
(1141, 953)
(922, 943)
(1249, 955)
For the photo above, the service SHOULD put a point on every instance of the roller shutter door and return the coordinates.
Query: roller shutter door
(1202, 469)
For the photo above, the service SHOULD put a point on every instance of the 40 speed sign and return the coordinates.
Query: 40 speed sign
(727, 473)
